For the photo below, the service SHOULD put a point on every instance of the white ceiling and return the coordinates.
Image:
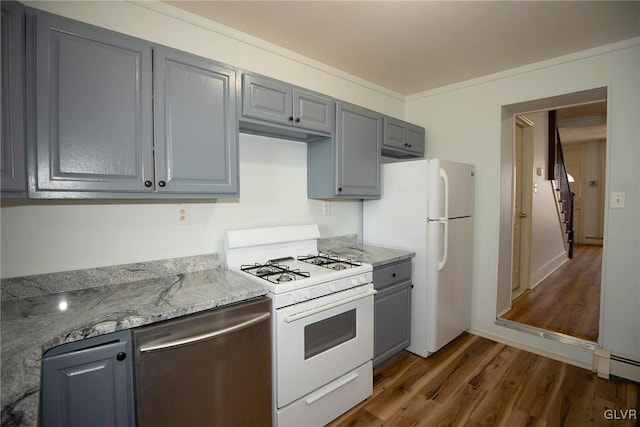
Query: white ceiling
(412, 46)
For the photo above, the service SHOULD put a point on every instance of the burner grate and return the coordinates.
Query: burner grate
(330, 261)
(274, 272)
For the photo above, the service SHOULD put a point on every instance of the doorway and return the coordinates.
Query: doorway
(521, 291)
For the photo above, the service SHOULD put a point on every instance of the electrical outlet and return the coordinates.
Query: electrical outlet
(618, 199)
(326, 208)
(182, 215)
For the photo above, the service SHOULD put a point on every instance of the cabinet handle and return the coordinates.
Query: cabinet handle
(121, 356)
(162, 183)
(297, 119)
(290, 118)
(148, 184)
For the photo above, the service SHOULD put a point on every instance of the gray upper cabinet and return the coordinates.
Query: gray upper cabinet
(292, 112)
(89, 383)
(348, 165)
(108, 121)
(195, 124)
(92, 107)
(13, 145)
(402, 139)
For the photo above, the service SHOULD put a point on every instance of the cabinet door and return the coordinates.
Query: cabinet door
(392, 322)
(196, 134)
(267, 99)
(415, 139)
(88, 387)
(92, 107)
(12, 153)
(311, 111)
(358, 139)
(395, 133)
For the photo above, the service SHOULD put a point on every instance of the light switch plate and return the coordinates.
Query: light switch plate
(618, 199)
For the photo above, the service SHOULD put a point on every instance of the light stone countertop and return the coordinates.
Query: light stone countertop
(347, 247)
(35, 324)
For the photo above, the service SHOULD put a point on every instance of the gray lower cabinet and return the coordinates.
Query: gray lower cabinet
(13, 170)
(402, 139)
(391, 310)
(303, 114)
(89, 383)
(347, 165)
(114, 116)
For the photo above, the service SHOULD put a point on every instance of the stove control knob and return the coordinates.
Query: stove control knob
(354, 282)
(332, 287)
(363, 279)
(307, 295)
(297, 297)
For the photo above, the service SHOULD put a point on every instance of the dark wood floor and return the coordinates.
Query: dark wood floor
(568, 301)
(477, 382)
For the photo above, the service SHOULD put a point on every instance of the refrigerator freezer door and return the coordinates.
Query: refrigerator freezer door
(449, 280)
(451, 187)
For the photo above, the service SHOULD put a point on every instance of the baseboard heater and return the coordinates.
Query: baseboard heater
(606, 364)
(625, 368)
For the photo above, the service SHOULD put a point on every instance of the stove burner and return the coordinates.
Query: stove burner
(285, 277)
(274, 272)
(329, 261)
(266, 270)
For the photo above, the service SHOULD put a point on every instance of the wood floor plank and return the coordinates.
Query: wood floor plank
(541, 388)
(496, 408)
(393, 398)
(476, 382)
(568, 300)
(459, 370)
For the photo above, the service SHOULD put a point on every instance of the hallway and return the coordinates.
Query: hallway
(568, 301)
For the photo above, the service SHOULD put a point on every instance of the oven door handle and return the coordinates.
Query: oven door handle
(302, 315)
(332, 387)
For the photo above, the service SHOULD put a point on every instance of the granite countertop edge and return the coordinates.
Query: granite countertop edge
(35, 324)
(348, 247)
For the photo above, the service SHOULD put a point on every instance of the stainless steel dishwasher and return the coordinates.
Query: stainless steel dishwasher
(207, 369)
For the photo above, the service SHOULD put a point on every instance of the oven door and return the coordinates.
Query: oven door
(319, 340)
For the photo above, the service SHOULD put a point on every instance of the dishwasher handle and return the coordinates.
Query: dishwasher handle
(147, 348)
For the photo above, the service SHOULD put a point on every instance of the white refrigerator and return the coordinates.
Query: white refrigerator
(426, 206)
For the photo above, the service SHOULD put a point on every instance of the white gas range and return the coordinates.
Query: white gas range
(322, 321)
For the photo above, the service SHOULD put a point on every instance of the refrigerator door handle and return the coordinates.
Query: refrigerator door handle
(443, 260)
(445, 181)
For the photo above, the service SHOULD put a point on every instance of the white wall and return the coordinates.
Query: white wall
(464, 123)
(547, 238)
(43, 237)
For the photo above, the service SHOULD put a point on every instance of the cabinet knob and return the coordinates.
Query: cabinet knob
(393, 275)
(121, 356)
(339, 189)
(148, 183)
(290, 118)
(297, 119)
(162, 183)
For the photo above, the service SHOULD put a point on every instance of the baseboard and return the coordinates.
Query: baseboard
(543, 272)
(534, 350)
